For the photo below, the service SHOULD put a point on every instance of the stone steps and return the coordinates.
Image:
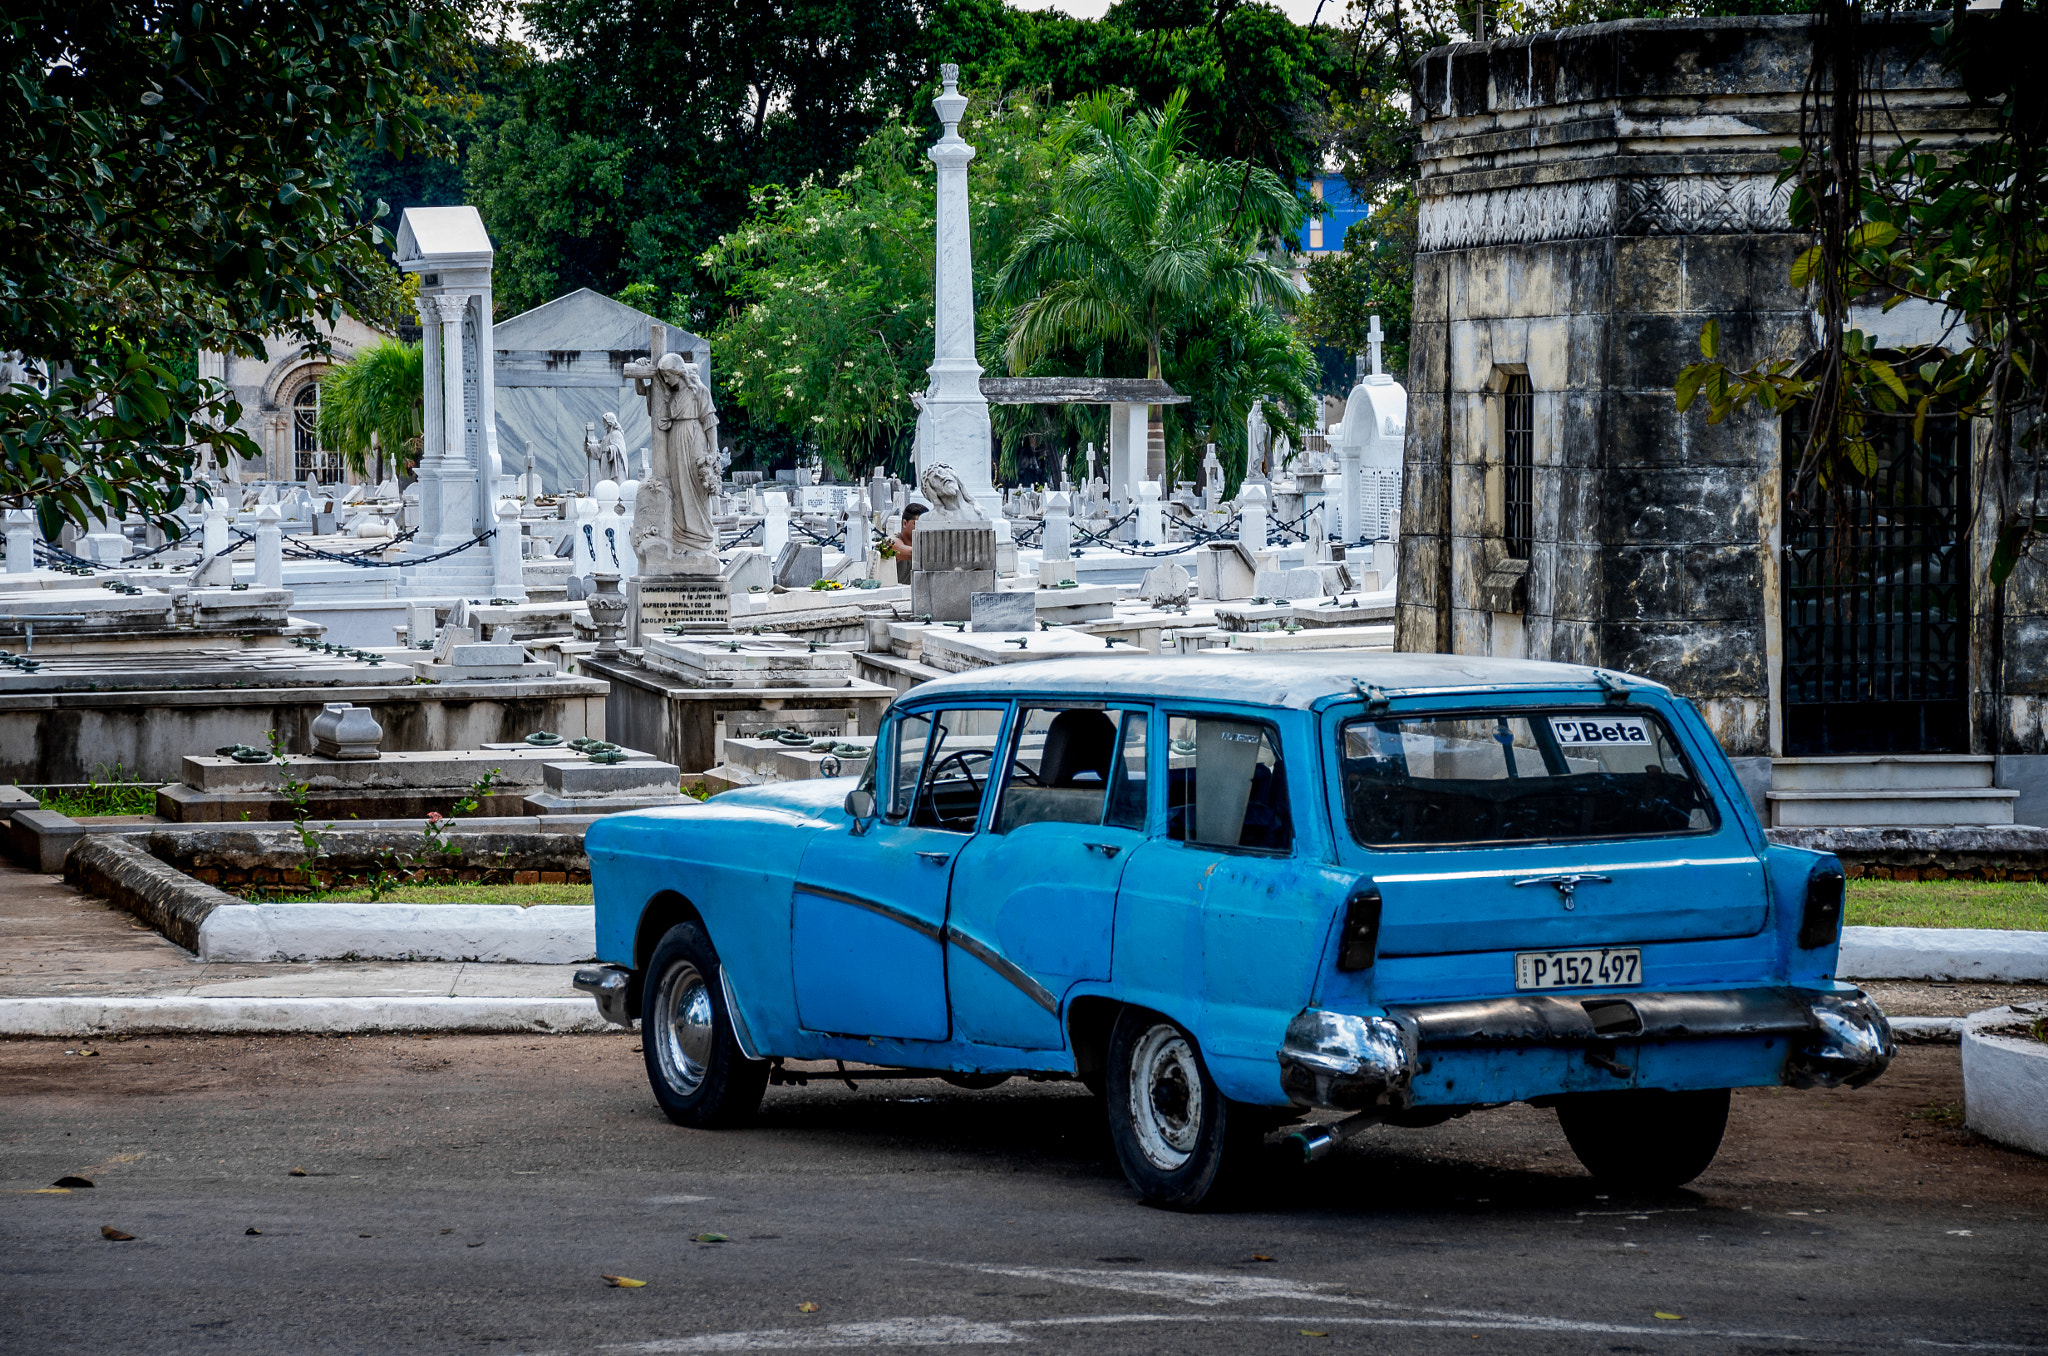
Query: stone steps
(1887, 790)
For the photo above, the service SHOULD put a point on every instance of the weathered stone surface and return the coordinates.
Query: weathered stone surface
(1981, 853)
(1579, 226)
(122, 872)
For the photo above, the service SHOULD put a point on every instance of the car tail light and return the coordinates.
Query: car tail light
(1821, 923)
(1360, 940)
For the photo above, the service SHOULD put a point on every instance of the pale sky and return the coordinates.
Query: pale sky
(1301, 11)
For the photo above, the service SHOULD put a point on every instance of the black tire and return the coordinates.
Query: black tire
(1647, 1139)
(1181, 1143)
(698, 1072)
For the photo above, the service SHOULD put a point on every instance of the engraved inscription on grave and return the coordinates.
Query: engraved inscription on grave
(699, 604)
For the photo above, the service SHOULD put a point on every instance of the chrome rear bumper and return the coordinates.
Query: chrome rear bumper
(1348, 1062)
(609, 985)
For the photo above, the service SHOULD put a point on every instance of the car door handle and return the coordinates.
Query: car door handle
(1567, 884)
(1108, 850)
(937, 858)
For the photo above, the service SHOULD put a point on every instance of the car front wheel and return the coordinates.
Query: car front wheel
(700, 1075)
(1175, 1133)
(1646, 1139)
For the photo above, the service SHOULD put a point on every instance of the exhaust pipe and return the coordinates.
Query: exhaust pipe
(1316, 1142)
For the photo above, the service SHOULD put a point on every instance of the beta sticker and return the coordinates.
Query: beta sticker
(1574, 732)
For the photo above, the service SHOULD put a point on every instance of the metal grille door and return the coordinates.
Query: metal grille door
(1877, 599)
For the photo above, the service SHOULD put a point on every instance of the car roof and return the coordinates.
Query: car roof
(1298, 680)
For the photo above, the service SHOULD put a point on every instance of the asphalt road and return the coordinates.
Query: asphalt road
(468, 1194)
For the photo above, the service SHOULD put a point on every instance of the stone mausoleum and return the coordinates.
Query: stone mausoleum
(1589, 198)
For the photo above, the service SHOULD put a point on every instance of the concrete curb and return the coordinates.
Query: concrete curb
(122, 872)
(1991, 955)
(2005, 1080)
(546, 934)
(1927, 1030)
(284, 1016)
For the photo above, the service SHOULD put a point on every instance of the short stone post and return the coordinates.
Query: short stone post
(508, 573)
(269, 548)
(213, 532)
(21, 542)
(1251, 509)
(629, 559)
(1056, 542)
(775, 527)
(1151, 525)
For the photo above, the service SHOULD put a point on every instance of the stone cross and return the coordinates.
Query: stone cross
(1373, 335)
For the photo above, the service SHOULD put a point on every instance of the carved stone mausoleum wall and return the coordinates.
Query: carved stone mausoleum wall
(1589, 198)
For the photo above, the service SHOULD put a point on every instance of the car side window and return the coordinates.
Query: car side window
(1225, 785)
(943, 760)
(1069, 764)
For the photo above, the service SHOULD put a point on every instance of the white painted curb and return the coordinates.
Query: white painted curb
(2005, 1082)
(546, 934)
(273, 1016)
(1988, 954)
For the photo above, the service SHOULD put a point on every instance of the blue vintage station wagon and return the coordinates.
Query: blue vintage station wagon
(1223, 890)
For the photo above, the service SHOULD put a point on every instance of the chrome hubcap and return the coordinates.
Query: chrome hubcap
(683, 1010)
(1166, 1097)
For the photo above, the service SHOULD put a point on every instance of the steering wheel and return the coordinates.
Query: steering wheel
(959, 756)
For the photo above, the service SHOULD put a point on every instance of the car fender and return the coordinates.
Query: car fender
(733, 866)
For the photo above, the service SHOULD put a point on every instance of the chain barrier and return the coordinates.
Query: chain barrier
(360, 558)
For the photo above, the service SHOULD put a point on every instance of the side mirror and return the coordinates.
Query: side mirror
(860, 807)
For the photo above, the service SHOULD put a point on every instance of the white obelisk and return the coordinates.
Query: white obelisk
(954, 406)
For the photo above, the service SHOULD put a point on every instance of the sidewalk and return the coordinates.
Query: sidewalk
(71, 964)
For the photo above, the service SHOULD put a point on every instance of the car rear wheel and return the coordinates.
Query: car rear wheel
(1647, 1139)
(699, 1074)
(1177, 1137)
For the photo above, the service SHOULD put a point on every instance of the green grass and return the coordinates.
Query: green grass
(100, 798)
(1948, 904)
(443, 894)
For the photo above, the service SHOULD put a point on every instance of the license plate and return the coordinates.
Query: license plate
(1611, 968)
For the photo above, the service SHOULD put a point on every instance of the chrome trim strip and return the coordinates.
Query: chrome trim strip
(740, 1034)
(888, 911)
(1005, 967)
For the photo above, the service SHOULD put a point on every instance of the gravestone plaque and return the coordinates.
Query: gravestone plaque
(694, 602)
(799, 565)
(1004, 612)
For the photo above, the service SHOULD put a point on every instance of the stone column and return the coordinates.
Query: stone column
(508, 573)
(269, 548)
(956, 412)
(21, 542)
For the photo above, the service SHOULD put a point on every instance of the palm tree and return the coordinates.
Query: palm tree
(1142, 239)
(375, 405)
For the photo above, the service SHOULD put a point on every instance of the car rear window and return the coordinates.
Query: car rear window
(1517, 777)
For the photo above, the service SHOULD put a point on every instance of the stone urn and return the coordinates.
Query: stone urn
(607, 613)
(347, 732)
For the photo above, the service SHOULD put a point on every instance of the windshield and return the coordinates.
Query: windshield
(1517, 777)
